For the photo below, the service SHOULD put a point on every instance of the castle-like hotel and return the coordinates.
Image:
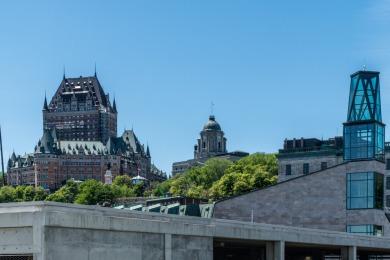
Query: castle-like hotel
(80, 141)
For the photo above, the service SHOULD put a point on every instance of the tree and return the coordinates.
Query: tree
(123, 180)
(19, 193)
(65, 194)
(249, 164)
(252, 172)
(7, 194)
(162, 188)
(29, 193)
(1, 178)
(92, 192)
(40, 194)
(139, 189)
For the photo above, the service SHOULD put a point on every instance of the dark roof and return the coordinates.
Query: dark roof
(212, 124)
(48, 142)
(129, 142)
(81, 88)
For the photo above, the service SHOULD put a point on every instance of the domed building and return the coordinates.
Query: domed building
(211, 143)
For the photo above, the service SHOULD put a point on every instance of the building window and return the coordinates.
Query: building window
(324, 165)
(364, 190)
(372, 230)
(288, 169)
(364, 142)
(388, 183)
(387, 164)
(305, 168)
(388, 201)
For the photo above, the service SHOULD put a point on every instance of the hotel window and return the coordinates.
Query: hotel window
(365, 190)
(305, 168)
(372, 230)
(324, 165)
(288, 169)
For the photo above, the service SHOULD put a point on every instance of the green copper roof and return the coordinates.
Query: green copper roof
(212, 124)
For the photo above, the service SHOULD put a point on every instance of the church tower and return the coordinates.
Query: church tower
(364, 132)
(211, 142)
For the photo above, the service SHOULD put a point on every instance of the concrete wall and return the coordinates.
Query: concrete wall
(59, 231)
(315, 200)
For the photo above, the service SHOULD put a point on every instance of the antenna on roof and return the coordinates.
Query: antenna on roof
(212, 106)
(64, 73)
(95, 70)
(364, 66)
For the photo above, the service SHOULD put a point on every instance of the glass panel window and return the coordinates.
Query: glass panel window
(388, 183)
(324, 165)
(372, 230)
(387, 164)
(305, 168)
(288, 169)
(364, 190)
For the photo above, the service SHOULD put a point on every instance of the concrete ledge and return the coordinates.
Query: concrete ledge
(46, 228)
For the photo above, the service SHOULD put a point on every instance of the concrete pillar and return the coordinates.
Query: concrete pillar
(38, 235)
(168, 246)
(275, 250)
(348, 253)
(269, 251)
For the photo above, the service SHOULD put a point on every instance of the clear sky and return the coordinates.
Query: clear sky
(273, 69)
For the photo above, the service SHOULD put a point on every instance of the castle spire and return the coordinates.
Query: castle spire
(147, 150)
(45, 107)
(114, 106)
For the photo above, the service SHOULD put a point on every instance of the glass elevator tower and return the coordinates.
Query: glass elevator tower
(364, 132)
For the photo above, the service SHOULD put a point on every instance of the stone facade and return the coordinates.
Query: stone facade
(316, 200)
(302, 156)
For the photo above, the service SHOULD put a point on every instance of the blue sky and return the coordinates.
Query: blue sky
(273, 69)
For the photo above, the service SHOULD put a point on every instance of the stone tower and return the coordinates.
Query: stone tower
(81, 111)
(211, 142)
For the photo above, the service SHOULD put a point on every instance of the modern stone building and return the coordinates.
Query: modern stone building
(80, 141)
(212, 143)
(337, 184)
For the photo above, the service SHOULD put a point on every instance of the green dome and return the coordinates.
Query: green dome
(212, 124)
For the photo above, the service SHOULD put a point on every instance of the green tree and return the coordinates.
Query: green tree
(92, 192)
(139, 189)
(123, 180)
(29, 193)
(162, 188)
(19, 193)
(7, 194)
(1, 178)
(249, 164)
(66, 193)
(40, 194)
